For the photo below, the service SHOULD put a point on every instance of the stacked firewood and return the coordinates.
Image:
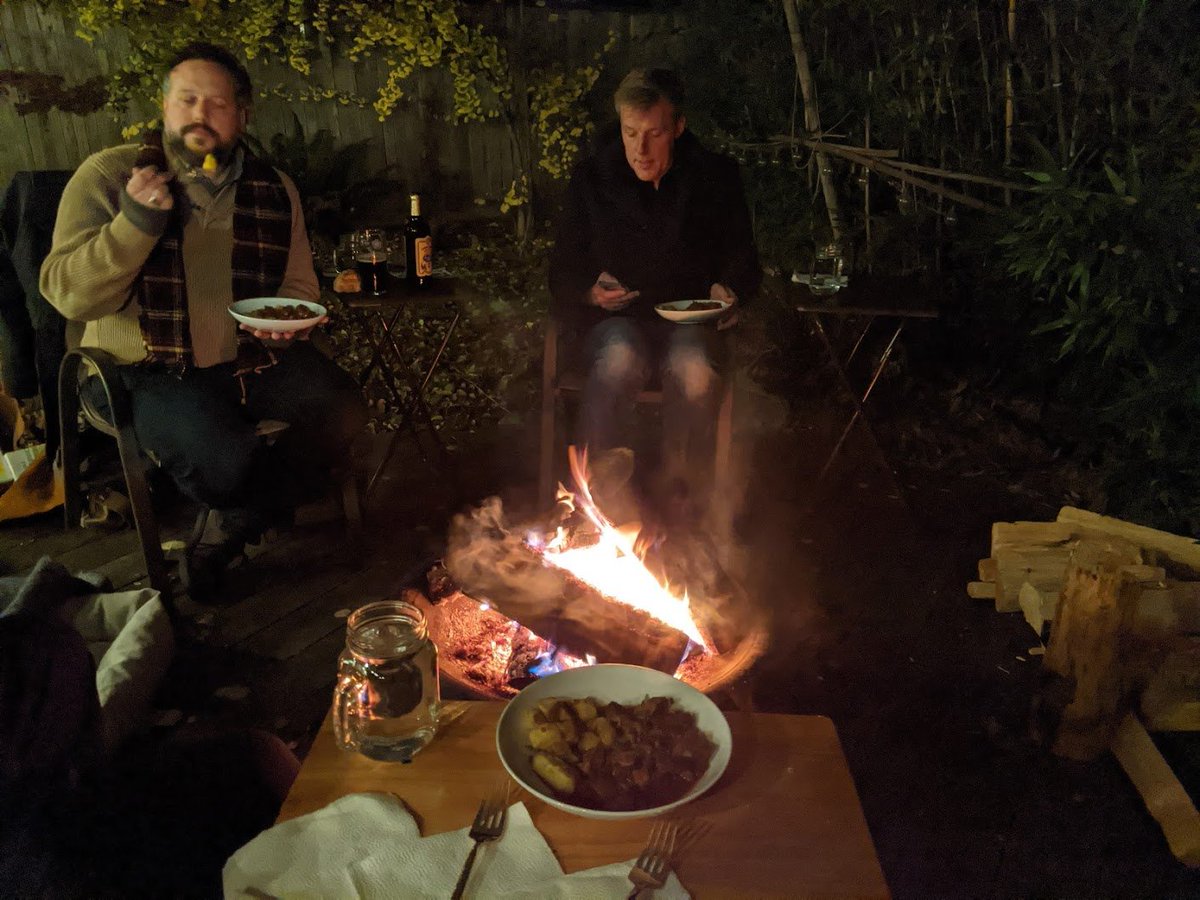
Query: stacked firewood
(1122, 605)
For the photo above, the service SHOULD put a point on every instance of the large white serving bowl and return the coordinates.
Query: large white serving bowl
(615, 684)
(244, 311)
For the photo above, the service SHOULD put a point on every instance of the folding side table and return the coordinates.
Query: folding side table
(891, 300)
(377, 316)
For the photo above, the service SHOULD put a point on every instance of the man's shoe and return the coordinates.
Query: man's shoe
(218, 541)
(202, 568)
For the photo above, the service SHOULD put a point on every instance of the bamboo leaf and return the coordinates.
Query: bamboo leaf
(1117, 182)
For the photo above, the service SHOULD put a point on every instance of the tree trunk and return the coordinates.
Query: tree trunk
(812, 117)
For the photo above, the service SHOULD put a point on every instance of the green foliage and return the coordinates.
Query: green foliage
(539, 102)
(491, 368)
(1107, 264)
(321, 168)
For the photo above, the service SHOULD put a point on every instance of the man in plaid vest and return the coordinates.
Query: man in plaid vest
(152, 243)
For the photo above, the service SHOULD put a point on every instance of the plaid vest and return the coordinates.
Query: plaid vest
(262, 236)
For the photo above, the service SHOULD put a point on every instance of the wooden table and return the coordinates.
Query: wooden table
(784, 821)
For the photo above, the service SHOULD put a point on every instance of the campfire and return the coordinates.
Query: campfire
(514, 602)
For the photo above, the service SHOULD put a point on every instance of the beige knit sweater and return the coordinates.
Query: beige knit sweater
(102, 238)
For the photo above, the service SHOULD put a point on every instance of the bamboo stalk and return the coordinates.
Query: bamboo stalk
(987, 81)
(815, 143)
(890, 171)
(961, 176)
(1056, 84)
(1009, 99)
(866, 177)
(812, 116)
(891, 157)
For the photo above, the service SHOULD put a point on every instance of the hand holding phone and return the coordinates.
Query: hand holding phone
(609, 294)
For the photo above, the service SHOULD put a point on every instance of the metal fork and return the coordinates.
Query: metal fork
(654, 865)
(488, 825)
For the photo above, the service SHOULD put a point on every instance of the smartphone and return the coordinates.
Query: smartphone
(609, 285)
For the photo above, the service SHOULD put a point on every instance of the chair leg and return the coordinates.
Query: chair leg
(352, 504)
(143, 513)
(546, 462)
(68, 419)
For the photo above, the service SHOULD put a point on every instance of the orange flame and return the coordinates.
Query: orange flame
(611, 565)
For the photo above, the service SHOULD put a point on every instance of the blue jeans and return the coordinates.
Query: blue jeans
(200, 429)
(624, 354)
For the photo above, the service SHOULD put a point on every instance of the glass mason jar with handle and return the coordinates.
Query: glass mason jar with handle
(387, 698)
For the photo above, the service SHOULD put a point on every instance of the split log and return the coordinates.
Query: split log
(1164, 796)
(1038, 606)
(981, 590)
(492, 562)
(1180, 555)
(988, 569)
(1096, 647)
(1171, 700)
(1034, 553)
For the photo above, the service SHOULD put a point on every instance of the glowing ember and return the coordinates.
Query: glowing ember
(611, 565)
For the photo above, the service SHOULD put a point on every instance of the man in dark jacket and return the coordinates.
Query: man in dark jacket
(651, 217)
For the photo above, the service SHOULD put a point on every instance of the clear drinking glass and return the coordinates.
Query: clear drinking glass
(826, 275)
(395, 264)
(344, 253)
(387, 699)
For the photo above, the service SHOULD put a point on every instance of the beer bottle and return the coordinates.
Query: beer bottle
(418, 245)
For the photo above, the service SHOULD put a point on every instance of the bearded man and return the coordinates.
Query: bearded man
(151, 245)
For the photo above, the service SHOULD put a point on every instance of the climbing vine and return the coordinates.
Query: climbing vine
(546, 115)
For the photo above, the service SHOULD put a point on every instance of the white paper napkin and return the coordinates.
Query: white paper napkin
(368, 846)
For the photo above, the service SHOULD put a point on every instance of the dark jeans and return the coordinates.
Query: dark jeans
(200, 427)
(624, 354)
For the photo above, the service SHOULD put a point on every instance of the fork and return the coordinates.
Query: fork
(652, 867)
(488, 825)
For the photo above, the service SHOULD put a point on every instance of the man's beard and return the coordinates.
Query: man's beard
(176, 142)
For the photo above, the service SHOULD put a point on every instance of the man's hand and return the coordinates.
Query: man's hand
(148, 186)
(610, 294)
(725, 295)
(283, 338)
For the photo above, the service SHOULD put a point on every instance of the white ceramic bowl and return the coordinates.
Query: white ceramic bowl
(244, 310)
(677, 311)
(615, 684)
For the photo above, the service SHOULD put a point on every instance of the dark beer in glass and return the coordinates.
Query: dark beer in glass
(371, 256)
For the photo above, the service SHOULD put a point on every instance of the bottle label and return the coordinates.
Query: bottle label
(423, 254)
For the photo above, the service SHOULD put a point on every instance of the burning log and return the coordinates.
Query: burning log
(490, 561)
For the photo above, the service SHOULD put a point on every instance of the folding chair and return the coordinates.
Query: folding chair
(135, 464)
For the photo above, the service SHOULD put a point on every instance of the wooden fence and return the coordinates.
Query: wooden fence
(417, 145)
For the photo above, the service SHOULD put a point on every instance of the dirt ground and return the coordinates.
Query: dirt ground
(865, 578)
(862, 576)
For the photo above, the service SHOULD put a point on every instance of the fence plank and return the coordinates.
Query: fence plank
(418, 144)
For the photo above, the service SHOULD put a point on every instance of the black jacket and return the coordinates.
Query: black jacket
(672, 243)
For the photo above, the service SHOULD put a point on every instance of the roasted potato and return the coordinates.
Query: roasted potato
(617, 757)
(554, 772)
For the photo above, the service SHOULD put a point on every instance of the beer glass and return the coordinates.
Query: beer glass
(387, 699)
(371, 259)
